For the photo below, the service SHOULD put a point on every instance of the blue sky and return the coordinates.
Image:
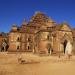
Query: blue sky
(14, 11)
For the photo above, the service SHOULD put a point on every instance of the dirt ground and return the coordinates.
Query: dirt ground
(46, 65)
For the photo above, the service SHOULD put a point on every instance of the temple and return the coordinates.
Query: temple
(40, 35)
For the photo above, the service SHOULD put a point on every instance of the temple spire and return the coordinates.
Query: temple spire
(24, 22)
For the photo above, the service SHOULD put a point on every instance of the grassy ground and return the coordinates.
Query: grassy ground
(47, 65)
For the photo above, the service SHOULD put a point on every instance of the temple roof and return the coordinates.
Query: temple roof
(24, 22)
(40, 18)
(14, 28)
(61, 26)
(14, 25)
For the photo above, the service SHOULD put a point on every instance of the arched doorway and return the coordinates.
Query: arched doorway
(64, 40)
(64, 45)
(49, 48)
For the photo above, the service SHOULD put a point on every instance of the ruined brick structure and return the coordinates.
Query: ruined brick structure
(40, 35)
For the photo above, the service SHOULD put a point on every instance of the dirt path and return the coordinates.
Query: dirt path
(47, 66)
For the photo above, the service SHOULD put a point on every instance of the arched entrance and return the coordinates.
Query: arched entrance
(49, 48)
(64, 45)
(64, 41)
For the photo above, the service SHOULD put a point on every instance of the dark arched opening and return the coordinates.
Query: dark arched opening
(65, 43)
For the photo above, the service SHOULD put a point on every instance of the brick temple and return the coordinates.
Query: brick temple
(40, 35)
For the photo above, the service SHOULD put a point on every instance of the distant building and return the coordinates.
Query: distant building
(41, 35)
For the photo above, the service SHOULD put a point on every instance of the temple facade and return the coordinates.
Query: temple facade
(41, 35)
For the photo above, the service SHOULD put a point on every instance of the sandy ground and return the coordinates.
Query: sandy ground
(47, 65)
